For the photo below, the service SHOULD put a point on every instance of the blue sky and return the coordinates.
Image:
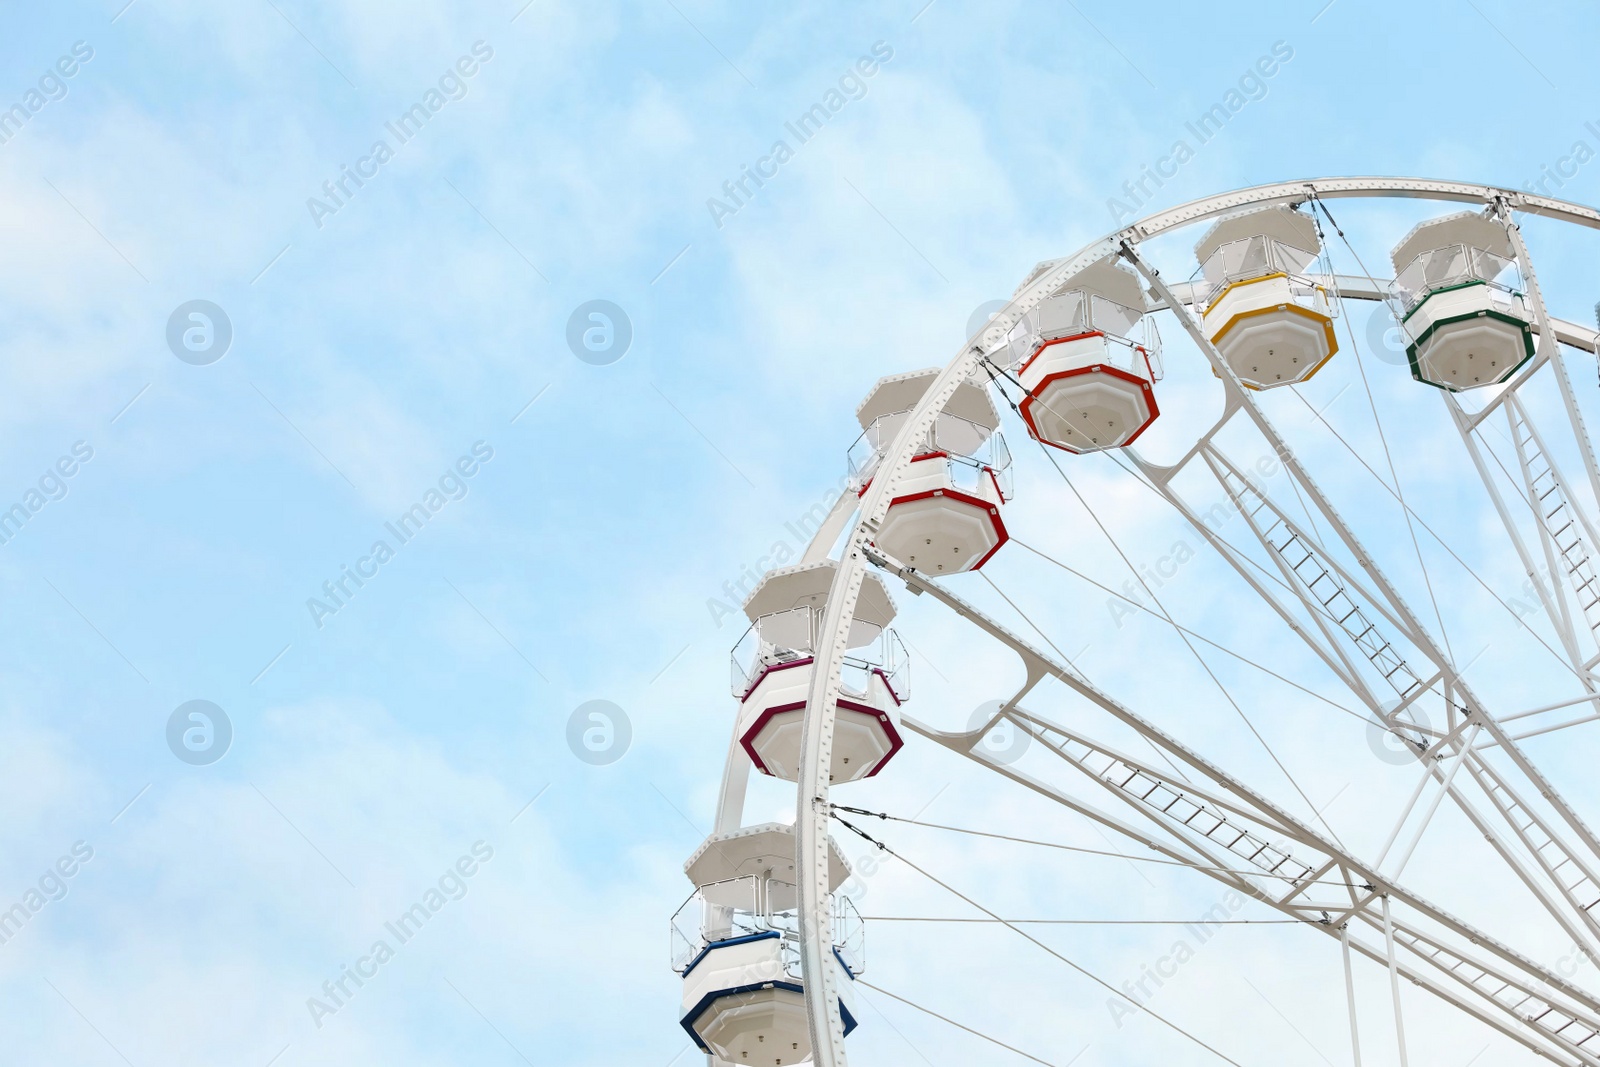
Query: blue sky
(424, 323)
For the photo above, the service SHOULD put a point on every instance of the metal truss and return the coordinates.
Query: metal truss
(1213, 822)
(1350, 615)
(1565, 528)
(812, 809)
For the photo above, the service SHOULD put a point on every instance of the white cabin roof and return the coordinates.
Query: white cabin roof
(1469, 228)
(900, 392)
(807, 585)
(1282, 224)
(1108, 279)
(754, 850)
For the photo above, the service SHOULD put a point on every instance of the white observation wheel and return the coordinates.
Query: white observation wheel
(821, 688)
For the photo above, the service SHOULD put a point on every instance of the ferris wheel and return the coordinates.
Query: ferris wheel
(771, 952)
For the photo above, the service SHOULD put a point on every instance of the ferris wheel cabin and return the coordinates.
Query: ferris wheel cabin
(773, 663)
(1090, 384)
(945, 515)
(1460, 305)
(735, 941)
(1270, 322)
(738, 941)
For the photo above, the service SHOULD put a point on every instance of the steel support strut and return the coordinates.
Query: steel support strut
(811, 815)
(1225, 830)
(1576, 919)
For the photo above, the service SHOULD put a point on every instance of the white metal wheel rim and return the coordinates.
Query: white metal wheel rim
(811, 807)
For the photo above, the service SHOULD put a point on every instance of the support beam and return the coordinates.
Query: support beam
(1473, 999)
(821, 995)
(1433, 808)
(1386, 598)
(1264, 813)
(1350, 994)
(1394, 983)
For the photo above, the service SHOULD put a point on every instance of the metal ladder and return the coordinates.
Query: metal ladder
(1556, 858)
(1325, 588)
(1170, 801)
(1523, 999)
(1572, 875)
(1559, 520)
(1526, 1003)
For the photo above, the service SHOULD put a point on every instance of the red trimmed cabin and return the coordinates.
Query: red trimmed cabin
(944, 517)
(772, 669)
(1090, 383)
